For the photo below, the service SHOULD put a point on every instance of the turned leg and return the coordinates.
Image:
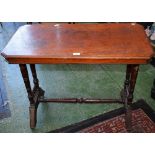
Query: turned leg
(127, 80)
(128, 120)
(153, 90)
(134, 73)
(130, 81)
(34, 74)
(32, 108)
(129, 85)
(36, 81)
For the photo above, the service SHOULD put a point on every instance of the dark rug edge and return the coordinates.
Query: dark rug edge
(102, 117)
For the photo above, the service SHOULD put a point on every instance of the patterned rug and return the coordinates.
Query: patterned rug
(140, 123)
(143, 118)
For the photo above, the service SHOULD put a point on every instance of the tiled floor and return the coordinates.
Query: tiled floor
(66, 81)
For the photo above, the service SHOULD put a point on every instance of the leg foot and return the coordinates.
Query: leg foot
(128, 119)
(33, 116)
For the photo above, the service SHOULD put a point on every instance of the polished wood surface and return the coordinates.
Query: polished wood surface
(79, 43)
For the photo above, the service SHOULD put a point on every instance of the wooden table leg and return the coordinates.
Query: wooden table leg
(129, 85)
(36, 82)
(128, 120)
(32, 108)
(134, 73)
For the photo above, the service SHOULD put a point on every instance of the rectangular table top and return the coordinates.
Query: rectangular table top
(113, 43)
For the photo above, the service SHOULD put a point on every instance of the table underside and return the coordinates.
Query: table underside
(36, 95)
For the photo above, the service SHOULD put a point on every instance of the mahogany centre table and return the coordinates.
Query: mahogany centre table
(79, 44)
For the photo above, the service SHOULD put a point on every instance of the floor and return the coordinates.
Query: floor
(66, 81)
(2, 87)
(4, 106)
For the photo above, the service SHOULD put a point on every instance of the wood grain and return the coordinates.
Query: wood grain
(79, 43)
